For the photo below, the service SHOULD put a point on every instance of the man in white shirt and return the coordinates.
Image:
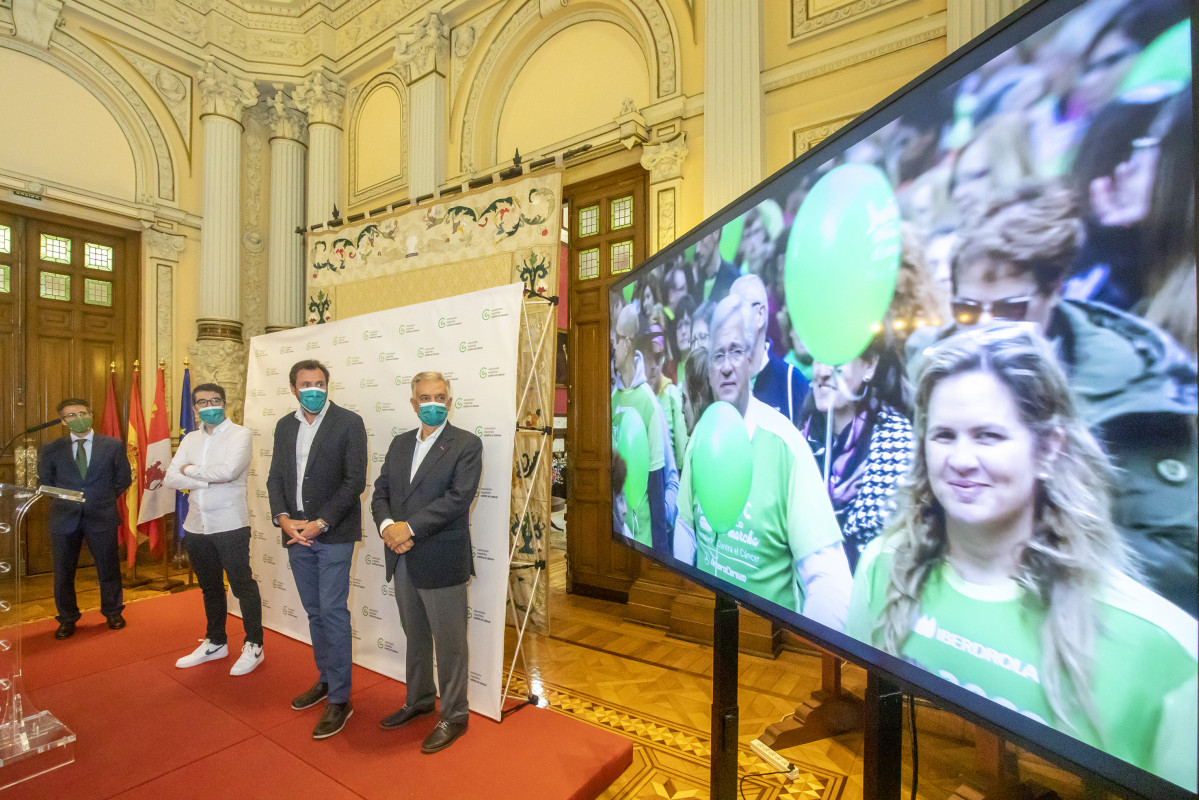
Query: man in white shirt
(211, 464)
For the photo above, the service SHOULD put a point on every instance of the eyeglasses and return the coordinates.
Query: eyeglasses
(79, 415)
(734, 355)
(214, 402)
(700, 339)
(1012, 309)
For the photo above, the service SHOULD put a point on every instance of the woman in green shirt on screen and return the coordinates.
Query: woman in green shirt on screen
(1001, 571)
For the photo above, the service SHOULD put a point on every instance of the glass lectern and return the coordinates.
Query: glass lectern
(31, 742)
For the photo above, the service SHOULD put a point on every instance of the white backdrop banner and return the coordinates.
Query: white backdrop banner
(371, 358)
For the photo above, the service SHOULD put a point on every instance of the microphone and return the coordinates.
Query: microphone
(41, 427)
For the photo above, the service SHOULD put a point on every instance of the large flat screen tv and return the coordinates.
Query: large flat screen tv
(928, 394)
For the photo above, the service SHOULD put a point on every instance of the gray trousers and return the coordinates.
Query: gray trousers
(434, 616)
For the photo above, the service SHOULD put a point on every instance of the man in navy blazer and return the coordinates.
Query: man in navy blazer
(318, 472)
(96, 465)
(422, 506)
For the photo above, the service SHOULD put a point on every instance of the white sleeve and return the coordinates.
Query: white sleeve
(175, 479)
(684, 542)
(229, 462)
(827, 584)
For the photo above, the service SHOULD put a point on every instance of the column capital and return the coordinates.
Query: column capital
(424, 51)
(163, 246)
(287, 122)
(35, 20)
(322, 98)
(223, 93)
(664, 160)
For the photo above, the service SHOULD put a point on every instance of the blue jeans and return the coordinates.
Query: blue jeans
(322, 574)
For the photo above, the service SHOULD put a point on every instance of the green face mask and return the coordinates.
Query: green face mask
(80, 424)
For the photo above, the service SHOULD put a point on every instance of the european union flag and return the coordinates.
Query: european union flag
(187, 424)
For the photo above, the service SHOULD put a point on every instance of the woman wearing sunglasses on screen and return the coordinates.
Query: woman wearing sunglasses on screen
(1002, 571)
(1136, 386)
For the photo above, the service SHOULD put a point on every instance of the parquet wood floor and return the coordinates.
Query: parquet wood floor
(656, 691)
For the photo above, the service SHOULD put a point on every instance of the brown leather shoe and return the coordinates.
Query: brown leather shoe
(333, 720)
(442, 736)
(402, 717)
(65, 630)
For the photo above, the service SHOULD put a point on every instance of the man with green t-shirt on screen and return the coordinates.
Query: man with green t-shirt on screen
(648, 519)
(786, 546)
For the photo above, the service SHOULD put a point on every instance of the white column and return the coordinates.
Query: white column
(422, 57)
(285, 276)
(965, 19)
(224, 97)
(323, 99)
(732, 100)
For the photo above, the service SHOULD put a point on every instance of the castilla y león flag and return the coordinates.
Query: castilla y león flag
(157, 499)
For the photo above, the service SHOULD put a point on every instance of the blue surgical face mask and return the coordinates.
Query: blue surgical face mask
(313, 400)
(212, 416)
(432, 414)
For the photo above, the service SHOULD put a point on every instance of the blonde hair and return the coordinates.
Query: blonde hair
(1074, 544)
(421, 377)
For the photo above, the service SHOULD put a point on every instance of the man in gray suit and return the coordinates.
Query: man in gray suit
(422, 506)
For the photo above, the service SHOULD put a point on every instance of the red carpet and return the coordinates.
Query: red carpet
(148, 730)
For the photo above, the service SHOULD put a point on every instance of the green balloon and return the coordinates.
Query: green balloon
(1165, 63)
(730, 238)
(722, 465)
(633, 445)
(841, 262)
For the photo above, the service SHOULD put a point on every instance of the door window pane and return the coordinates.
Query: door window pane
(589, 221)
(622, 257)
(97, 293)
(55, 286)
(5, 288)
(56, 249)
(97, 256)
(5, 239)
(622, 212)
(589, 264)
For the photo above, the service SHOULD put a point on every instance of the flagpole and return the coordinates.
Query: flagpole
(167, 583)
(132, 580)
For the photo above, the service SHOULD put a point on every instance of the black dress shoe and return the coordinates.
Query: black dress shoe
(442, 736)
(116, 621)
(333, 720)
(317, 693)
(402, 717)
(65, 630)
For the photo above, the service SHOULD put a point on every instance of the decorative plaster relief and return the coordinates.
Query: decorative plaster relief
(665, 161)
(173, 87)
(804, 139)
(223, 93)
(805, 23)
(424, 50)
(222, 361)
(164, 316)
(135, 103)
(463, 41)
(664, 45)
(162, 246)
(287, 122)
(254, 191)
(666, 217)
(35, 20)
(550, 6)
(322, 98)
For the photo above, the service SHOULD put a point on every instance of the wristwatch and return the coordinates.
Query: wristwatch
(323, 525)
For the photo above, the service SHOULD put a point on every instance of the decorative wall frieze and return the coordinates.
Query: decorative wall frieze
(322, 98)
(804, 139)
(806, 23)
(223, 93)
(664, 161)
(35, 20)
(424, 50)
(286, 121)
(925, 29)
(464, 38)
(550, 6)
(174, 88)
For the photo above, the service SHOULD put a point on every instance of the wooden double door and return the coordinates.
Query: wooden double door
(69, 295)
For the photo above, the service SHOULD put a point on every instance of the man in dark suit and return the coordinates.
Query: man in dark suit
(318, 472)
(422, 506)
(96, 465)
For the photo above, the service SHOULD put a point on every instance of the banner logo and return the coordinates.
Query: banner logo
(461, 347)
(487, 313)
(441, 322)
(482, 372)
(286, 349)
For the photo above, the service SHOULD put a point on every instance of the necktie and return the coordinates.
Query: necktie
(81, 458)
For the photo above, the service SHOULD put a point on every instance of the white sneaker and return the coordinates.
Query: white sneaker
(251, 657)
(207, 651)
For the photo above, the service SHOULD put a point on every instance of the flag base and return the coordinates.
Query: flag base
(33, 746)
